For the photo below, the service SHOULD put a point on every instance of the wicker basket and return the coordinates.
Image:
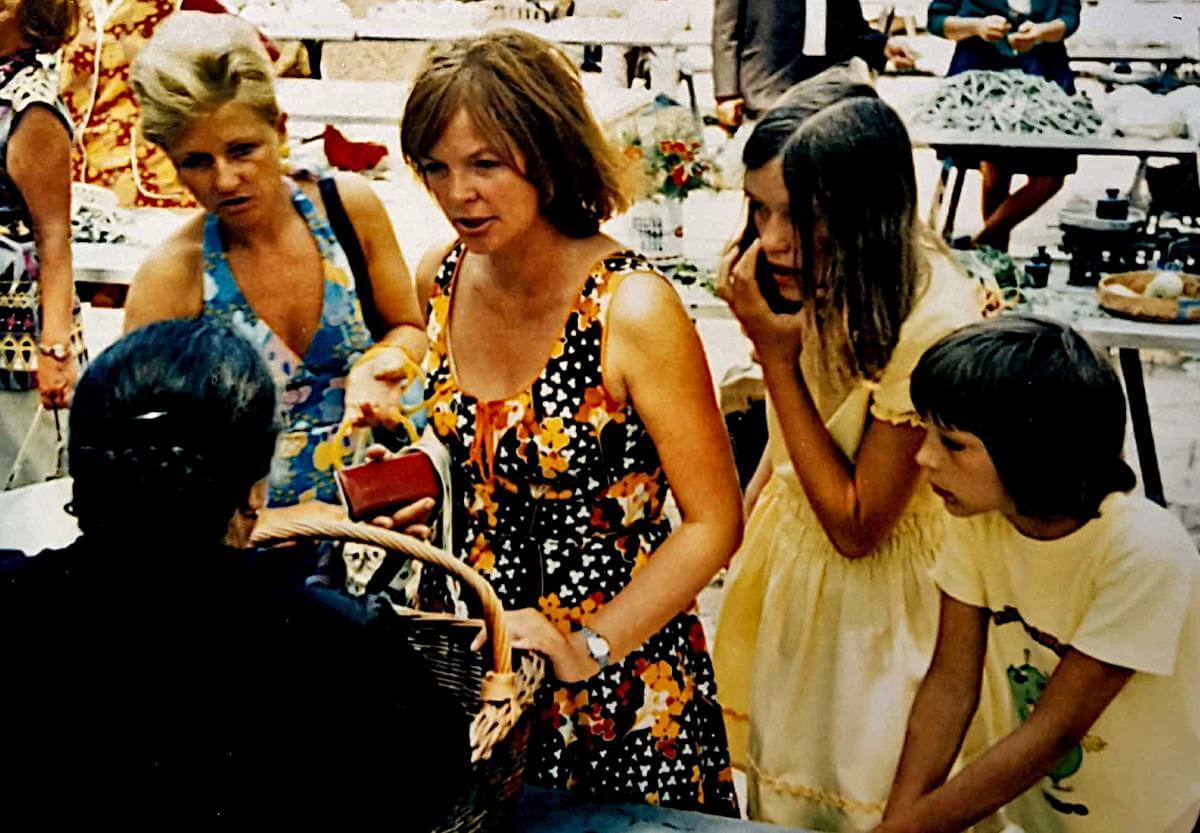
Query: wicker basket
(1182, 310)
(497, 700)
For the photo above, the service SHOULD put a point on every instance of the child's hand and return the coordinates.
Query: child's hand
(776, 337)
(991, 28)
(56, 380)
(1027, 36)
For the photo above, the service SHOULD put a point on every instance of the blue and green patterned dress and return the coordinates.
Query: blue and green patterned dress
(311, 387)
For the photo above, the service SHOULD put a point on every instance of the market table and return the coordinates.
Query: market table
(976, 144)
(312, 35)
(1077, 306)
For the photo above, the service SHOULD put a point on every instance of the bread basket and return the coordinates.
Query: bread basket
(1114, 295)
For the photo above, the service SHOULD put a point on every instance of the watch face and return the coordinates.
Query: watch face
(597, 647)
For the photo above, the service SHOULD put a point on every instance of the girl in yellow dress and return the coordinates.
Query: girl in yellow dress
(829, 619)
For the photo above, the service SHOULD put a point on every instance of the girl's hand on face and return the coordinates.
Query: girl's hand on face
(531, 631)
(776, 337)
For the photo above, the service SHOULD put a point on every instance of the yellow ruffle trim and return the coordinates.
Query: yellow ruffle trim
(827, 799)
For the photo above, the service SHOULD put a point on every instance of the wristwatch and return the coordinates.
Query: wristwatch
(58, 350)
(597, 646)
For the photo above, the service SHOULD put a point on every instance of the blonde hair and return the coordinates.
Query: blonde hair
(47, 24)
(523, 96)
(194, 63)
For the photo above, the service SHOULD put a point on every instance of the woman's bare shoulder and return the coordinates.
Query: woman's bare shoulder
(168, 281)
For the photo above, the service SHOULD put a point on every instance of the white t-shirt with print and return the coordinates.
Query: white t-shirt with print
(1123, 589)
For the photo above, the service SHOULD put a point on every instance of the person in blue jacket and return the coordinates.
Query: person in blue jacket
(1027, 35)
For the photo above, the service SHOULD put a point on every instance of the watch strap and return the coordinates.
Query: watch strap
(59, 350)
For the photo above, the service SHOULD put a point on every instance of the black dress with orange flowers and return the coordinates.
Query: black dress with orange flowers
(558, 501)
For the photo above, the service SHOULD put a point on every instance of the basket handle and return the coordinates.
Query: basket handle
(273, 532)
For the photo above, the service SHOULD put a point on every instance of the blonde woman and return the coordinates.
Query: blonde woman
(264, 256)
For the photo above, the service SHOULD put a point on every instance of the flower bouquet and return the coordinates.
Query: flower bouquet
(673, 163)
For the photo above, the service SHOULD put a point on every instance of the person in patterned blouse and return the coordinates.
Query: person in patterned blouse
(263, 255)
(571, 390)
(40, 337)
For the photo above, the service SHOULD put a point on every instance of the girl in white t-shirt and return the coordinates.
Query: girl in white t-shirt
(1070, 608)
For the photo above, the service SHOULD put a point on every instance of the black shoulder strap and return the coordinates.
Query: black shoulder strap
(346, 236)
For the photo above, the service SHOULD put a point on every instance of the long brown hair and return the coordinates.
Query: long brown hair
(524, 96)
(850, 167)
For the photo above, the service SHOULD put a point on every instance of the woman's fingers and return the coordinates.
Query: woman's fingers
(377, 452)
(480, 640)
(416, 512)
(729, 257)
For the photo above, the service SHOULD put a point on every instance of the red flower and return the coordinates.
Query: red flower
(680, 176)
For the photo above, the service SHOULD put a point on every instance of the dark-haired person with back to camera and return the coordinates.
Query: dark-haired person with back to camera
(156, 675)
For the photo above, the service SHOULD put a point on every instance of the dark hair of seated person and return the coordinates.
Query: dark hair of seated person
(153, 675)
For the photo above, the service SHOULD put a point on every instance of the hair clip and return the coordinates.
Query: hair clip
(150, 415)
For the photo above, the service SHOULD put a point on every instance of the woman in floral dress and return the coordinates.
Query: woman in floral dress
(571, 390)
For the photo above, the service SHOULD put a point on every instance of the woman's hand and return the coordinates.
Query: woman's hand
(531, 631)
(56, 380)
(899, 53)
(375, 386)
(991, 28)
(776, 337)
(1027, 36)
(412, 519)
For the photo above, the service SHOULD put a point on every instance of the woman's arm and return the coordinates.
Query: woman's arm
(379, 378)
(39, 164)
(990, 28)
(944, 705)
(394, 292)
(1030, 34)
(857, 501)
(1078, 693)
(655, 361)
(169, 282)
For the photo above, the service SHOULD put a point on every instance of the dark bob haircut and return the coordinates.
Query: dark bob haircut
(1048, 408)
(171, 426)
(524, 97)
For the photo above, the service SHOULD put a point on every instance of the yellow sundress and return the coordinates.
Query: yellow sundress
(818, 657)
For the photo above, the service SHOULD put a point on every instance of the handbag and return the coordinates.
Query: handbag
(60, 449)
